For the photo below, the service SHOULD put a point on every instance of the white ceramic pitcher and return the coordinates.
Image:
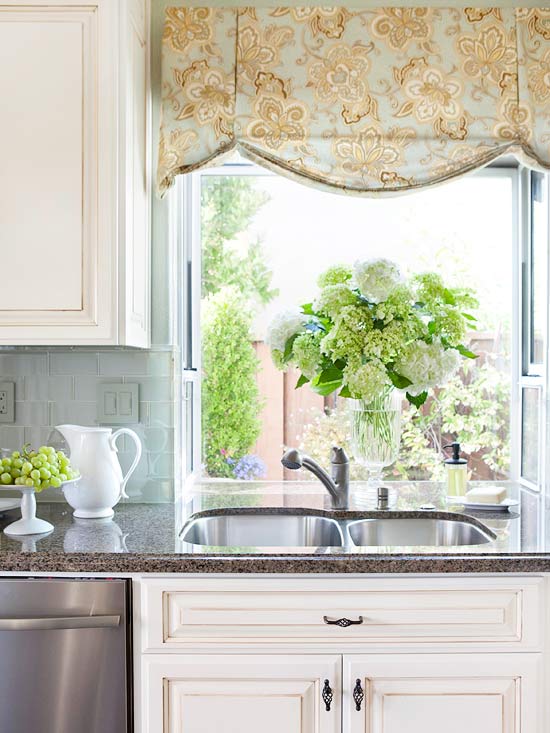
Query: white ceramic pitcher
(93, 452)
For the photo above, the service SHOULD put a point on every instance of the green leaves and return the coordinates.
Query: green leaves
(328, 381)
(327, 388)
(466, 352)
(228, 205)
(417, 400)
(307, 309)
(301, 381)
(449, 296)
(288, 347)
(331, 374)
(398, 380)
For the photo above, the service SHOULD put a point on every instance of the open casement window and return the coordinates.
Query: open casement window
(534, 328)
(522, 213)
(188, 237)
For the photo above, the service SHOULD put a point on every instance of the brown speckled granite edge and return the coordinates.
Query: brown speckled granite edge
(250, 564)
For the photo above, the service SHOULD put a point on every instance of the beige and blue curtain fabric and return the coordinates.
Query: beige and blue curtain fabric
(363, 101)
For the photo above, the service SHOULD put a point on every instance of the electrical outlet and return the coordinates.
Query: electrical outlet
(118, 404)
(7, 402)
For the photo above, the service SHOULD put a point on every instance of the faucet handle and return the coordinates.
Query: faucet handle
(383, 498)
(338, 455)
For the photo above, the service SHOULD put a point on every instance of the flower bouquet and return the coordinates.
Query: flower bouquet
(370, 335)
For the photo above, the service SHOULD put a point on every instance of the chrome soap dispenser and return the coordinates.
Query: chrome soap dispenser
(456, 469)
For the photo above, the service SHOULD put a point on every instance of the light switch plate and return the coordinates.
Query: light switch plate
(7, 402)
(118, 404)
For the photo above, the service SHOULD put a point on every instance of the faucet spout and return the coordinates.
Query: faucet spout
(337, 485)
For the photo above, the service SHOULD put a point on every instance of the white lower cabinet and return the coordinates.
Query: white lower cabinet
(424, 655)
(377, 693)
(241, 694)
(431, 693)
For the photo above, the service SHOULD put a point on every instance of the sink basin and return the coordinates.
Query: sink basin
(255, 529)
(410, 532)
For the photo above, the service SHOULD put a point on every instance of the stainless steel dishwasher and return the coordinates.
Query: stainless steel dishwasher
(65, 653)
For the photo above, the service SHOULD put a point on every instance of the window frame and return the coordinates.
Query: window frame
(189, 296)
(532, 375)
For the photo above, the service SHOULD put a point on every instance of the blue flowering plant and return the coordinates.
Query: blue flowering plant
(246, 468)
(370, 330)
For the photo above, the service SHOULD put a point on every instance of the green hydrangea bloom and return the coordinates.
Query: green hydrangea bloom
(386, 344)
(451, 326)
(346, 338)
(430, 289)
(398, 305)
(278, 359)
(306, 353)
(367, 381)
(333, 298)
(334, 276)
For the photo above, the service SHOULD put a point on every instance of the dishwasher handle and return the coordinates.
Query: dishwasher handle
(59, 622)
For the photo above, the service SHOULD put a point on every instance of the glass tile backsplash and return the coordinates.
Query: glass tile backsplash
(57, 386)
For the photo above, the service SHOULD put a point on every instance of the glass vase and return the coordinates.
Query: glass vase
(375, 439)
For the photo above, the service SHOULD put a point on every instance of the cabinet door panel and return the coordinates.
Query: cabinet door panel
(58, 185)
(41, 143)
(428, 693)
(240, 694)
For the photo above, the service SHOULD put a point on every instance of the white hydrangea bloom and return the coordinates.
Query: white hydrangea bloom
(427, 365)
(283, 326)
(376, 279)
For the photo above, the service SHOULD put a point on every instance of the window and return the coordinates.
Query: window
(262, 241)
(534, 306)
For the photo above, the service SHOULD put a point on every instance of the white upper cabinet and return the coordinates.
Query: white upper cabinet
(74, 173)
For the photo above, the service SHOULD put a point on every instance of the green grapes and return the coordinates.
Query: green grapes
(38, 469)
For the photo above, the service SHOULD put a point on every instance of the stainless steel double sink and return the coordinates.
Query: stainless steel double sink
(295, 528)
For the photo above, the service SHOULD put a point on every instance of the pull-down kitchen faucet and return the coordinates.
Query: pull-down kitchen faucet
(337, 485)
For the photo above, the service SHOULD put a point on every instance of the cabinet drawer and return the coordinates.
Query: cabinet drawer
(442, 611)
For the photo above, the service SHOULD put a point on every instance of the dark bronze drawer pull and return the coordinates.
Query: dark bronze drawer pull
(358, 694)
(327, 695)
(342, 622)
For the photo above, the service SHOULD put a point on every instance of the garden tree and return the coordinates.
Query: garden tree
(228, 205)
(230, 396)
(230, 283)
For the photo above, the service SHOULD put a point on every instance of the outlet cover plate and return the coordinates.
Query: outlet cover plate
(7, 402)
(118, 404)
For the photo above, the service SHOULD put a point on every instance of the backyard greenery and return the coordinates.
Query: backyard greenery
(230, 398)
(231, 282)
(228, 205)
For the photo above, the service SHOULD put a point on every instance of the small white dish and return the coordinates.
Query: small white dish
(504, 506)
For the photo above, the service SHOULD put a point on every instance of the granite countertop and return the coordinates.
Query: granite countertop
(144, 538)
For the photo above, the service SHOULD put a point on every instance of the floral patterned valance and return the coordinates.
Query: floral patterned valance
(359, 100)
